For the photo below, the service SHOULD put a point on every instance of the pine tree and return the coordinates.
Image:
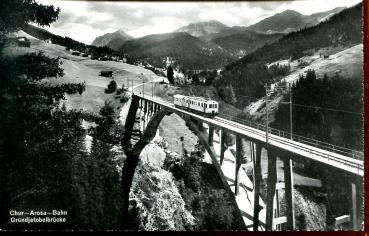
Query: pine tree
(170, 74)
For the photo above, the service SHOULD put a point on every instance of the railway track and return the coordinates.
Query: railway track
(340, 157)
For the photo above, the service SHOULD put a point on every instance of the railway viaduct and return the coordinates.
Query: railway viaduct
(258, 215)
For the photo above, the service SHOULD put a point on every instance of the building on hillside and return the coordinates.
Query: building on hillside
(48, 41)
(18, 42)
(76, 53)
(106, 73)
(169, 61)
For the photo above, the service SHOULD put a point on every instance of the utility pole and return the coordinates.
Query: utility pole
(291, 126)
(267, 113)
(143, 86)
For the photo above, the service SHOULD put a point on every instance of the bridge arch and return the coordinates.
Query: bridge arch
(133, 154)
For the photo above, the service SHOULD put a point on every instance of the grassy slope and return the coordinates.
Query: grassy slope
(78, 69)
(346, 63)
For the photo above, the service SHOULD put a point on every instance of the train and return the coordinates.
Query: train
(199, 105)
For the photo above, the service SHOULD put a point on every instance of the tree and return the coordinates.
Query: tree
(112, 86)
(40, 140)
(210, 77)
(170, 74)
(227, 94)
(15, 14)
(105, 198)
(45, 164)
(195, 79)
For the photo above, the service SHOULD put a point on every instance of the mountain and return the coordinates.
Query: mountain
(203, 28)
(249, 74)
(239, 41)
(289, 20)
(113, 40)
(187, 51)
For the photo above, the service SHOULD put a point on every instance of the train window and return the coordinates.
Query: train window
(210, 106)
(206, 105)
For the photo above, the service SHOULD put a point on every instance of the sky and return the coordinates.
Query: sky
(84, 21)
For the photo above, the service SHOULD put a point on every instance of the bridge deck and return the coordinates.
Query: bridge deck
(303, 150)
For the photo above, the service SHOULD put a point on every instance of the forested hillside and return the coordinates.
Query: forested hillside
(189, 52)
(244, 42)
(328, 109)
(67, 42)
(249, 74)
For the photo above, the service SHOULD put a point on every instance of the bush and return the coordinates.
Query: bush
(124, 98)
(112, 86)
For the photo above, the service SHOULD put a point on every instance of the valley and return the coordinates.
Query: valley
(78, 117)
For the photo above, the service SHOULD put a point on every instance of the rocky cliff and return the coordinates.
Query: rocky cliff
(155, 198)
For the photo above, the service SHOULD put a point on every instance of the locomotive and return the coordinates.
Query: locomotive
(200, 105)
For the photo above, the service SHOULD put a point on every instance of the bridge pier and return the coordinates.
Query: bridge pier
(200, 125)
(144, 114)
(211, 135)
(130, 120)
(271, 189)
(354, 208)
(289, 193)
(148, 111)
(222, 145)
(238, 163)
(140, 114)
(256, 153)
(151, 110)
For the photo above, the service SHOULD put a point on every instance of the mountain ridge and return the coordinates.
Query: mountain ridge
(113, 40)
(290, 20)
(188, 51)
(198, 29)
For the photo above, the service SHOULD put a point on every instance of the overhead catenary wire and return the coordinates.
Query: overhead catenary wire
(327, 109)
(308, 106)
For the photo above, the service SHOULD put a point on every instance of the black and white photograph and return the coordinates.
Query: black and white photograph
(182, 116)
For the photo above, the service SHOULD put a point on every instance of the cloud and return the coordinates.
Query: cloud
(84, 21)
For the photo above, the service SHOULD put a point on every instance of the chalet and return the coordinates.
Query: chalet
(76, 53)
(19, 41)
(106, 73)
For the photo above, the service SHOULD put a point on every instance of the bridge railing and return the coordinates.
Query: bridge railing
(298, 138)
(353, 163)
